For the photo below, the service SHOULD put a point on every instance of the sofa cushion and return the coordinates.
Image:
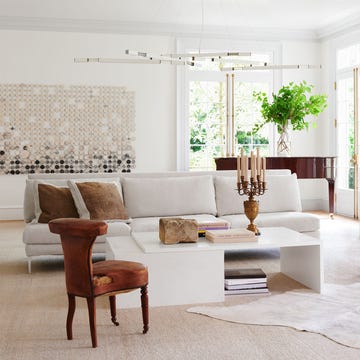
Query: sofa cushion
(56, 249)
(282, 194)
(169, 196)
(40, 233)
(98, 200)
(298, 221)
(228, 201)
(53, 202)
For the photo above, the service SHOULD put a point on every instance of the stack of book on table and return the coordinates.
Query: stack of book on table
(204, 226)
(230, 235)
(245, 281)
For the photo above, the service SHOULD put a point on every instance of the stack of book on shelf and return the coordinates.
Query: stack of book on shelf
(245, 281)
(203, 226)
(230, 236)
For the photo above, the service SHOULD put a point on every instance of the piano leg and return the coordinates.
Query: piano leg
(331, 183)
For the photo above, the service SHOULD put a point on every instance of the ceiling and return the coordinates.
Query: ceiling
(177, 15)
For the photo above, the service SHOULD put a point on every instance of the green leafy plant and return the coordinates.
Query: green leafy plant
(290, 107)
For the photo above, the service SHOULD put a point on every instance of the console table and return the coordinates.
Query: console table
(306, 167)
(193, 273)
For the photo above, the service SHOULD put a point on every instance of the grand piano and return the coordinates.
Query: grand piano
(306, 167)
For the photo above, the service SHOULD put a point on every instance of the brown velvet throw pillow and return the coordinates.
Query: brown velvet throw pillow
(102, 200)
(55, 202)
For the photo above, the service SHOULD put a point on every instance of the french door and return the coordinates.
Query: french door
(347, 101)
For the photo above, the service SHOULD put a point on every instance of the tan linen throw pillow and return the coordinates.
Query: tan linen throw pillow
(55, 202)
(98, 200)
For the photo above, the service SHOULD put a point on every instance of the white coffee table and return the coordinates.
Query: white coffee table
(194, 273)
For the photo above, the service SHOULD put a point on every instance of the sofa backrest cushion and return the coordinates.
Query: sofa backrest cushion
(31, 196)
(282, 194)
(228, 201)
(54, 202)
(97, 200)
(169, 196)
(31, 200)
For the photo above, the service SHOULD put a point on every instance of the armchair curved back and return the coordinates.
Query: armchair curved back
(77, 239)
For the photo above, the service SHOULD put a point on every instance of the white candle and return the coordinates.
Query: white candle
(243, 166)
(238, 167)
(258, 161)
(252, 165)
(263, 163)
(246, 164)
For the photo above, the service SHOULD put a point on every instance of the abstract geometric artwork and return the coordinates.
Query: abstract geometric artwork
(66, 129)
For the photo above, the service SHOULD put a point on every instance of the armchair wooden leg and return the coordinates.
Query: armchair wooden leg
(92, 320)
(145, 308)
(112, 300)
(70, 316)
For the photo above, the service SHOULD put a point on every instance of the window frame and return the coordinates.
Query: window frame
(184, 76)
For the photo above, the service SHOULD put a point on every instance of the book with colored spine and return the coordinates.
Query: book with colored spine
(204, 226)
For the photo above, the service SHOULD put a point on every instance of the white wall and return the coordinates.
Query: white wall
(47, 58)
(313, 142)
(305, 143)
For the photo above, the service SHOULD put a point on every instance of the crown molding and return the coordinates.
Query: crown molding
(333, 30)
(349, 24)
(141, 28)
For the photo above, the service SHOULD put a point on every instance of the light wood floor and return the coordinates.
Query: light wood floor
(33, 311)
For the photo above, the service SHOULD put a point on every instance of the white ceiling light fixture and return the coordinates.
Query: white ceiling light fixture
(193, 60)
(229, 61)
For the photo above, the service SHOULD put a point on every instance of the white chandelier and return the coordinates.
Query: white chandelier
(228, 61)
(197, 59)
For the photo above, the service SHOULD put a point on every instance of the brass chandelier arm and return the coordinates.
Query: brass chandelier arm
(210, 55)
(133, 61)
(266, 66)
(116, 61)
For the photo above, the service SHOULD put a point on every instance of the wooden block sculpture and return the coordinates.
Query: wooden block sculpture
(178, 230)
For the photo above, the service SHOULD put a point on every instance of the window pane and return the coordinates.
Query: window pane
(247, 114)
(345, 116)
(207, 118)
(207, 123)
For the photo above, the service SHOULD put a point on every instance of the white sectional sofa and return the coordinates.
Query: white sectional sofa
(149, 196)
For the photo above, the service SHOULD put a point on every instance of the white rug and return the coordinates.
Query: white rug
(335, 313)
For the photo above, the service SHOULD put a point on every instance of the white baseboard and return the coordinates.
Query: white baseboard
(11, 213)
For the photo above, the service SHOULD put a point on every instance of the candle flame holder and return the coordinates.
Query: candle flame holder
(251, 189)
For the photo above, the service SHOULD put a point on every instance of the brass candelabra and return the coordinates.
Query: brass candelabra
(252, 188)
